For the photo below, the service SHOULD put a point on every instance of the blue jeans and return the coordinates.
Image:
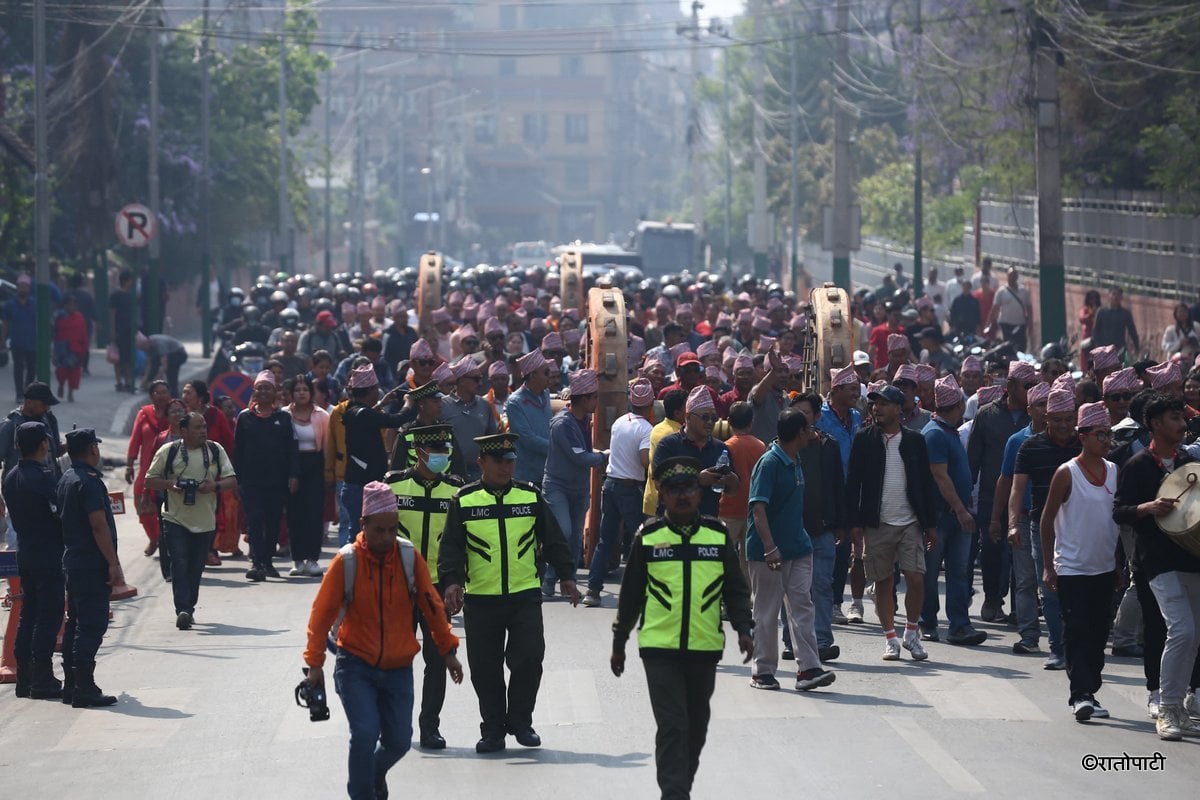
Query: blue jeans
(570, 511)
(1051, 608)
(619, 503)
(349, 511)
(996, 557)
(343, 517)
(953, 548)
(378, 704)
(824, 555)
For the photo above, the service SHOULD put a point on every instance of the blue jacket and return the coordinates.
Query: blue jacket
(529, 418)
(571, 459)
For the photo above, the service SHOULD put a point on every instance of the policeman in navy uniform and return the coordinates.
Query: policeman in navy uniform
(92, 567)
(29, 492)
(679, 566)
(423, 495)
(489, 560)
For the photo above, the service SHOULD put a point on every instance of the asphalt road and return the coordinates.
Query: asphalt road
(209, 713)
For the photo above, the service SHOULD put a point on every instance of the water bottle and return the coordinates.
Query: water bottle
(722, 463)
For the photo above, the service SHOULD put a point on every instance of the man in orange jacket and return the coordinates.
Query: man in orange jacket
(376, 643)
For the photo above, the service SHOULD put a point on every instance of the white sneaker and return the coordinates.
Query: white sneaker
(839, 618)
(314, 569)
(912, 643)
(891, 649)
(1083, 710)
(1191, 704)
(1098, 711)
(855, 617)
(298, 570)
(1152, 704)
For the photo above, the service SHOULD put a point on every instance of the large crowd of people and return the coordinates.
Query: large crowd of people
(730, 488)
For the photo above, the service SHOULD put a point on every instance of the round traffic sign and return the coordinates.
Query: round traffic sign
(135, 225)
(234, 385)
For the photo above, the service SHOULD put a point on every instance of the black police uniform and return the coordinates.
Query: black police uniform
(422, 506)
(488, 548)
(80, 492)
(29, 492)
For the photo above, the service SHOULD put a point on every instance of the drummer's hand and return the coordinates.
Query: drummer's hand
(1157, 508)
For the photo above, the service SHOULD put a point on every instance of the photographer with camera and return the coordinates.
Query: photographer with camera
(376, 641)
(189, 473)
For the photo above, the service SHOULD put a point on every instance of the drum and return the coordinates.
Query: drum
(1182, 524)
(570, 269)
(429, 292)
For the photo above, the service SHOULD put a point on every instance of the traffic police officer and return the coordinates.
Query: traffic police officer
(92, 567)
(423, 495)
(679, 566)
(426, 400)
(29, 492)
(490, 552)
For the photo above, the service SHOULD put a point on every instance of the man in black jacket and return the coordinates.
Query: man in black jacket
(889, 502)
(266, 456)
(1172, 572)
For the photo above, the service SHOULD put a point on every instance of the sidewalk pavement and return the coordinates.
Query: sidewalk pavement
(98, 405)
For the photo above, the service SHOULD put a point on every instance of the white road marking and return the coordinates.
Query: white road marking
(954, 774)
(146, 718)
(954, 696)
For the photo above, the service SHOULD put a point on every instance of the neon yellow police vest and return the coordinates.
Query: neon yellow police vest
(422, 512)
(501, 540)
(684, 579)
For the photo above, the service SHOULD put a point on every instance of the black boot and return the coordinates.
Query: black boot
(24, 678)
(87, 694)
(68, 690)
(45, 685)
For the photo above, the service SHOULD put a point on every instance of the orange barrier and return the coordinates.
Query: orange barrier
(8, 662)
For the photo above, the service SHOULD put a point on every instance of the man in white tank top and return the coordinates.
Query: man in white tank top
(1079, 541)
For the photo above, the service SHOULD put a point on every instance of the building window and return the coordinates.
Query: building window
(508, 66)
(533, 129)
(572, 66)
(485, 129)
(576, 175)
(576, 128)
(508, 17)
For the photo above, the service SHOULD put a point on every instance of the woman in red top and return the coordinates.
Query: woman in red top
(151, 420)
(70, 348)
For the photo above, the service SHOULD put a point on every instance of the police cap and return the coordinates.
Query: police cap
(30, 434)
(78, 440)
(425, 390)
(500, 445)
(431, 434)
(677, 471)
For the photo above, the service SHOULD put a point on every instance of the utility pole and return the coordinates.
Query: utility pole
(728, 168)
(401, 212)
(360, 157)
(328, 175)
(794, 192)
(691, 32)
(205, 238)
(285, 239)
(758, 225)
(1051, 270)
(41, 183)
(841, 152)
(918, 167)
(154, 309)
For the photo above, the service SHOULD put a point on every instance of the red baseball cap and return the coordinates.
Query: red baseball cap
(686, 358)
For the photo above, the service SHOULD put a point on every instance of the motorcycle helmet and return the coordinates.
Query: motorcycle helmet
(290, 318)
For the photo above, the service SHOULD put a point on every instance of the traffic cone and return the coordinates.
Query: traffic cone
(123, 591)
(8, 662)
